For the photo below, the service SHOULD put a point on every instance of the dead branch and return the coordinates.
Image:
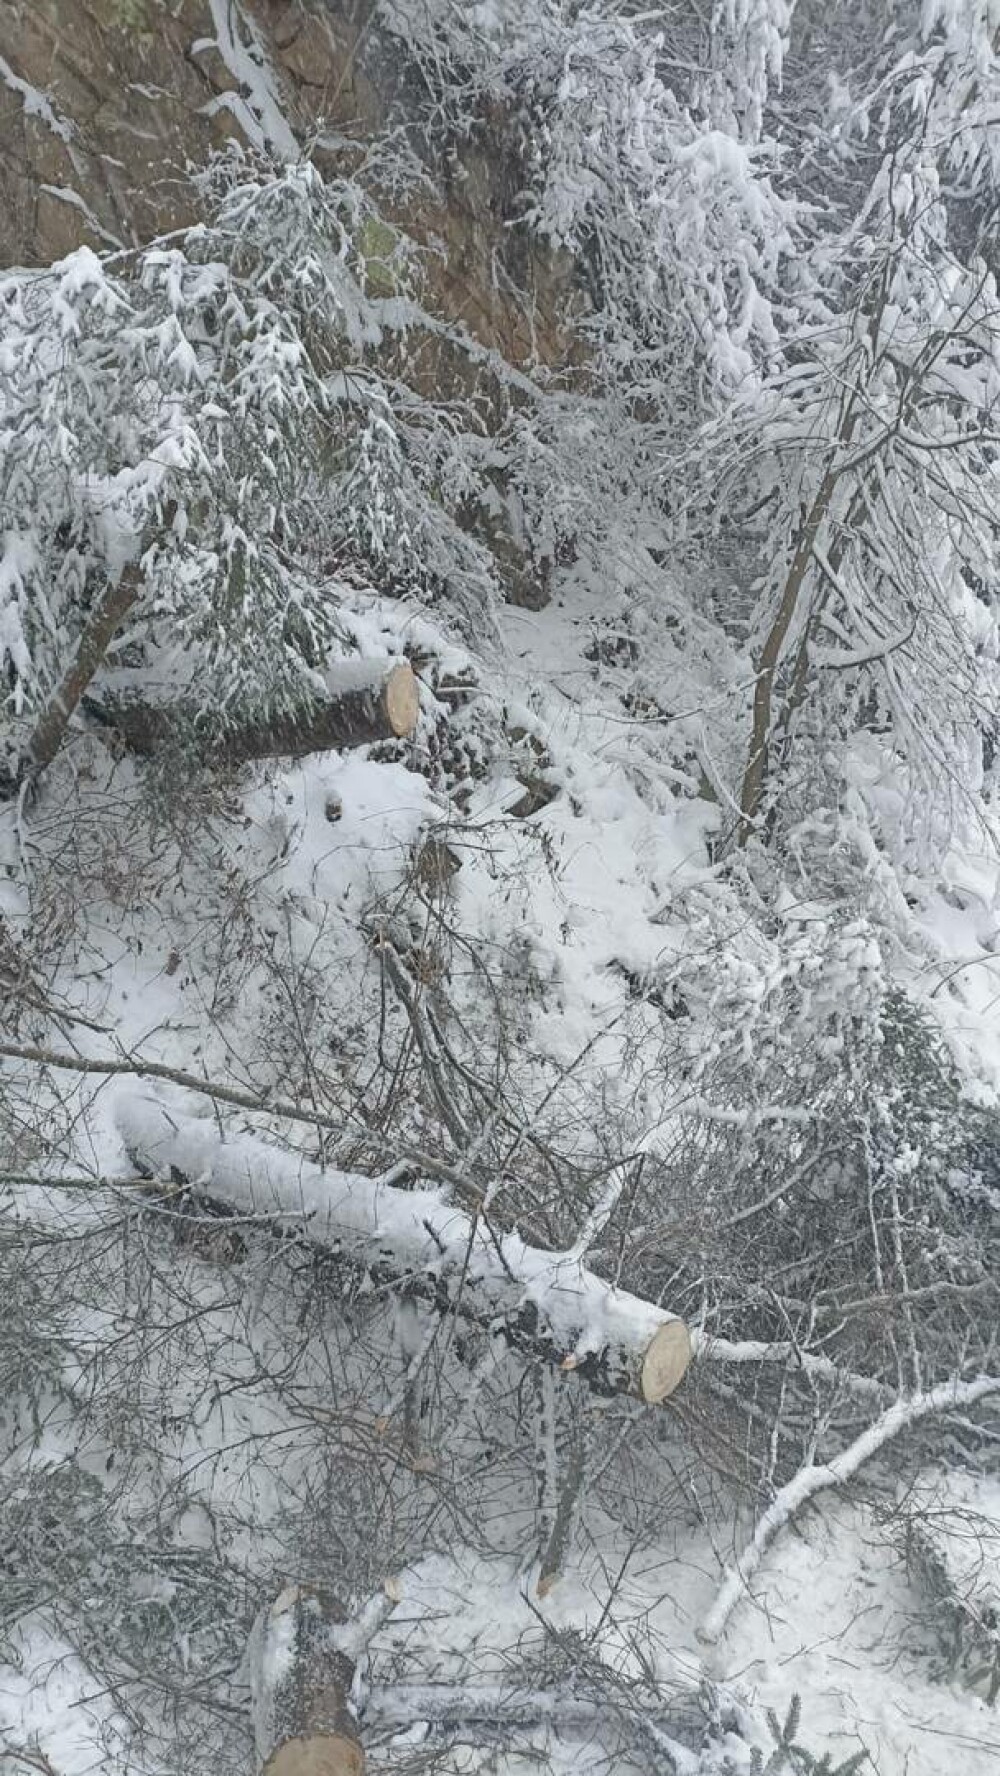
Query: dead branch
(816, 1477)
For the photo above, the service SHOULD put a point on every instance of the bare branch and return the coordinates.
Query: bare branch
(902, 1415)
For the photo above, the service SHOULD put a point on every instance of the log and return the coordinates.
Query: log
(304, 1724)
(365, 701)
(547, 1305)
(493, 1711)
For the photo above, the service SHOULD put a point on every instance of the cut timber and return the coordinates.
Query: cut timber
(365, 701)
(545, 1304)
(303, 1721)
(665, 1364)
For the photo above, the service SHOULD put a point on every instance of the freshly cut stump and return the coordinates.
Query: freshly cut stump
(317, 1757)
(402, 701)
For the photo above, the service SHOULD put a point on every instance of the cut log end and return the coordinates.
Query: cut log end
(665, 1363)
(317, 1755)
(402, 701)
(301, 1678)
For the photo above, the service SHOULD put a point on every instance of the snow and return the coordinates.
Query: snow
(813, 1478)
(830, 1631)
(246, 941)
(47, 1702)
(36, 104)
(256, 104)
(621, 846)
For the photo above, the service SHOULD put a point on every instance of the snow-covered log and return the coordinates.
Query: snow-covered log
(365, 701)
(492, 1710)
(304, 1653)
(594, 1711)
(546, 1304)
(816, 1477)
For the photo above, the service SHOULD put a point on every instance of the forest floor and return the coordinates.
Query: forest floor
(235, 941)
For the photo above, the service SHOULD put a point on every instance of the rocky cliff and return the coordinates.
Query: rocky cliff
(107, 105)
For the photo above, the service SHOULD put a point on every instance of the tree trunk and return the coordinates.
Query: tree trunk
(98, 634)
(366, 701)
(546, 1304)
(755, 775)
(572, 1485)
(303, 1721)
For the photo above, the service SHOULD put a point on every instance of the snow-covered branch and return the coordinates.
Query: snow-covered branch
(902, 1415)
(811, 1363)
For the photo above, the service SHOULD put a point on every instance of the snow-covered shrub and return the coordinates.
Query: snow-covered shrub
(211, 415)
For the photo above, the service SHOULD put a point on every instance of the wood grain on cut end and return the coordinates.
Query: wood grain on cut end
(666, 1361)
(317, 1754)
(304, 1724)
(402, 700)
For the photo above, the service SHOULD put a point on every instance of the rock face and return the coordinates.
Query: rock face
(107, 105)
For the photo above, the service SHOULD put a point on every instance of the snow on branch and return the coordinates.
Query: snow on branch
(546, 1304)
(816, 1477)
(811, 1363)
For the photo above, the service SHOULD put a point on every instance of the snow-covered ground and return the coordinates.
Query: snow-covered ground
(240, 943)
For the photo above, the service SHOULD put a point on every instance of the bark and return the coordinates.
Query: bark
(306, 1650)
(99, 632)
(366, 701)
(816, 1477)
(546, 1304)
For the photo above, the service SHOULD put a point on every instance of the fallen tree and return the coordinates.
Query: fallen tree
(309, 1710)
(698, 1344)
(545, 1304)
(365, 701)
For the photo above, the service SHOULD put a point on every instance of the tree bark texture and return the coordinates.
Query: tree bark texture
(303, 1721)
(365, 701)
(545, 1304)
